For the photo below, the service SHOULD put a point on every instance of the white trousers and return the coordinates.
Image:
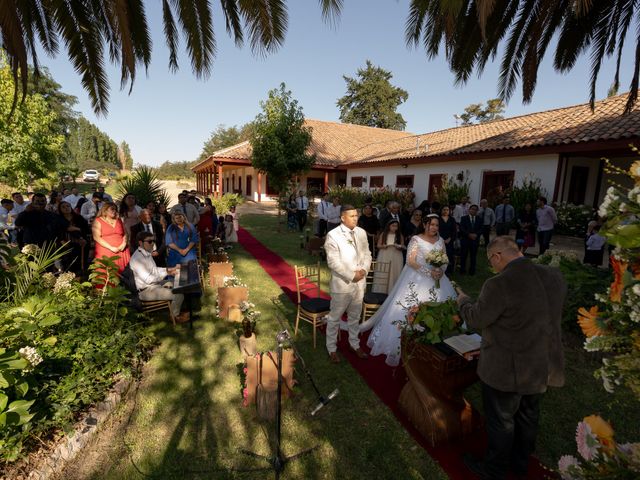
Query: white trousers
(351, 303)
(158, 292)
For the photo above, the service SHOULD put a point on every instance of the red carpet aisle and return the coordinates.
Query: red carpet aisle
(385, 381)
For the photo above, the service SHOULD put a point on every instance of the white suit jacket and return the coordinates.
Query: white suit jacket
(346, 255)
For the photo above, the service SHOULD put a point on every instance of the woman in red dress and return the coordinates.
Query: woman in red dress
(110, 237)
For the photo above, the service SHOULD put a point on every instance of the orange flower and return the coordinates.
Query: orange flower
(601, 429)
(588, 321)
(618, 271)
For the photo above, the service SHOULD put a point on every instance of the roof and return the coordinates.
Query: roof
(561, 126)
(337, 144)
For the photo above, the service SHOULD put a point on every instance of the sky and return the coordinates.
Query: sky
(168, 117)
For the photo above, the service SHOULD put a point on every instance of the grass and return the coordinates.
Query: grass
(188, 422)
(562, 408)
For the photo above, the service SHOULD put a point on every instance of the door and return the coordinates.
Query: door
(495, 183)
(578, 185)
(248, 189)
(435, 185)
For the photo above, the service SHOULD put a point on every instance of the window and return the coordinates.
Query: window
(356, 182)
(435, 186)
(376, 182)
(404, 181)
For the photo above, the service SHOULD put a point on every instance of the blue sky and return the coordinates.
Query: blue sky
(169, 116)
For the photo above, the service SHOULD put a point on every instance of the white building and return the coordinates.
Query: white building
(561, 147)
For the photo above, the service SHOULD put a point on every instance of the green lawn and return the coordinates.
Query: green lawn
(562, 408)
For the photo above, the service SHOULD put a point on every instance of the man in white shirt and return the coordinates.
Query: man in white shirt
(89, 209)
(19, 204)
(547, 219)
(105, 196)
(302, 205)
(6, 220)
(73, 198)
(333, 214)
(322, 214)
(151, 280)
(488, 220)
(187, 209)
(461, 209)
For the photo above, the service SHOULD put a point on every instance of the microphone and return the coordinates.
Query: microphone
(324, 401)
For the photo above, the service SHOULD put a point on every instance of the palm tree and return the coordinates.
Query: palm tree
(472, 30)
(88, 29)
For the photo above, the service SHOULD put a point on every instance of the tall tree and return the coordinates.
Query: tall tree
(29, 141)
(479, 113)
(89, 147)
(223, 137)
(280, 139)
(124, 154)
(371, 100)
(472, 30)
(90, 29)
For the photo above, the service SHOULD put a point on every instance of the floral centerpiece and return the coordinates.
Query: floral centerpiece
(233, 281)
(249, 318)
(431, 321)
(437, 258)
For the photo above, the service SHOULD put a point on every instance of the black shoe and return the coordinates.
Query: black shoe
(475, 466)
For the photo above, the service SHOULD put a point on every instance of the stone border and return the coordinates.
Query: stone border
(70, 445)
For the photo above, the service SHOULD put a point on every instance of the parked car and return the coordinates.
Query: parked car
(90, 176)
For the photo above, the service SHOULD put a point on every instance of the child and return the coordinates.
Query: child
(221, 230)
(390, 246)
(230, 235)
(594, 247)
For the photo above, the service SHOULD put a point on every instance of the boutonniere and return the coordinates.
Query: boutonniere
(351, 243)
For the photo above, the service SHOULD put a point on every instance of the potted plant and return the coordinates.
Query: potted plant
(248, 342)
(231, 294)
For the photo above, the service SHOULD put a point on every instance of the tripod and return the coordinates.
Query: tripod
(278, 461)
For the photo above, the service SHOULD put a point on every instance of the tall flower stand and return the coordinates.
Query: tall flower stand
(433, 397)
(231, 297)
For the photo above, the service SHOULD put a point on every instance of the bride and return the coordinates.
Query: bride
(385, 338)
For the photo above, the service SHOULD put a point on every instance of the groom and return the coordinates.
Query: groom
(349, 259)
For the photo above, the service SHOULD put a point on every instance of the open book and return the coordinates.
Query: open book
(465, 345)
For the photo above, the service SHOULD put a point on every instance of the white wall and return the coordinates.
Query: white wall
(541, 166)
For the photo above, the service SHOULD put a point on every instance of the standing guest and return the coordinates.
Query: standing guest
(546, 217)
(333, 214)
(165, 217)
(77, 236)
(369, 201)
(425, 207)
(505, 214)
(390, 247)
(526, 232)
(90, 209)
(7, 226)
(349, 259)
(73, 197)
(181, 239)
(54, 202)
(66, 192)
(519, 313)
(105, 196)
(189, 211)
(230, 235)
(369, 223)
(147, 224)
(435, 208)
(302, 206)
(405, 214)
(234, 216)
(384, 210)
(448, 233)
(129, 212)
(594, 247)
(410, 228)
(470, 231)
(156, 216)
(488, 220)
(38, 226)
(151, 279)
(110, 236)
(194, 194)
(221, 230)
(19, 203)
(208, 224)
(391, 212)
(322, 214)
(292, 218)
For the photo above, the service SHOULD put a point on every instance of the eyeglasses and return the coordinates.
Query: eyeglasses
(492, 255)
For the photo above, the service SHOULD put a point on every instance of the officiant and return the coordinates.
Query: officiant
(519, 313)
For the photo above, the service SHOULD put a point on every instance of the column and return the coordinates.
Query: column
(220, 187)
(259, 187)
(326, 182)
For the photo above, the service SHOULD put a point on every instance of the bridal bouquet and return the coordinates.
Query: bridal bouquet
(437, 258)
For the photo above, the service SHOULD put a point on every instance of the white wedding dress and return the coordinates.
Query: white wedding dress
(385, 337)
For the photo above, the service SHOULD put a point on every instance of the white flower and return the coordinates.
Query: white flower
(30, 249)
(564, 463)
(49, 280)
(636, 289)
(586, 441)
(63, 282)
(31, 355)
(623, 207)
(634, 316)
(588, 344)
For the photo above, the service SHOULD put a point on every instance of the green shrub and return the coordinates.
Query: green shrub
(356, 196)
(226, 201)
(573, 219)
(527, 191)
(144, 184)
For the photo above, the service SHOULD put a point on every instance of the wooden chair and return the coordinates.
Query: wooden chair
(378, 277)
(311, 308)
(157, 305)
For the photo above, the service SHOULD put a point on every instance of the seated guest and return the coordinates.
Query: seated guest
(147, 224)
(77, 236)
(19, 203)
(7, 227)
(333, 214)
(105, 196)
(40, 227)
(89, 210)
(181, 240)
(369, 223)
(230, 235)
(151, 279)
(188, 210)
(79, 205)
(54, 201)
(73, 197)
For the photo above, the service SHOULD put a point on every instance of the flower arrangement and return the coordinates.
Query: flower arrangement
(431, 321)
(250, 316)
(242, 371)
(437, 258)
(232, 281)
(600, 455)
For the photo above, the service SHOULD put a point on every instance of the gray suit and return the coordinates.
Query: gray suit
(519, 312)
